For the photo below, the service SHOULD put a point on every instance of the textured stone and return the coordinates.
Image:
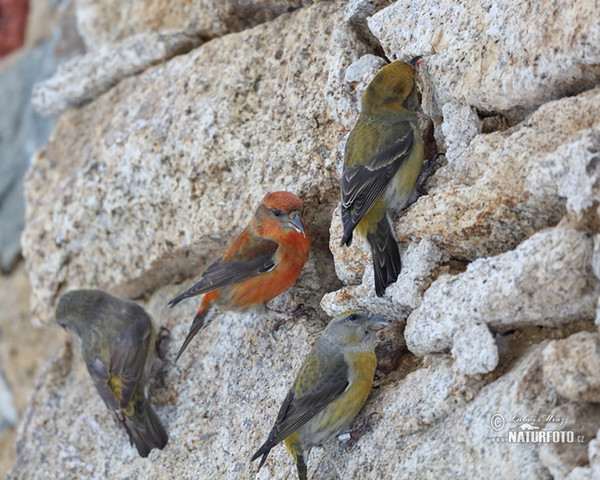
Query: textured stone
(102, 23)
(151, 180)
(572, 367)
(507, 185)
(547, 280)
(86, 77)
(562, 458)
(143, 186)
(420, 264)
(461, 124)
(508, 56)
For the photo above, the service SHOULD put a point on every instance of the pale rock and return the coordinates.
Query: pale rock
(561, 458)
(86, 77)
(508, 56)
(153, 179)
(422, 415)
(474, 349)
(352, 261)
(572, 367)
(594, 455)
(102, 23)
(572, 171)
(420, 264)
(546, 281)
(461, 124)
(580, 473)
(357, 11)
(498, 191)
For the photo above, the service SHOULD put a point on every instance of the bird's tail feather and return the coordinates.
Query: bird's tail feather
(349, 226)
(264, 452)
(145, 428)
(301, 465)
(197, 324)
(386, 256)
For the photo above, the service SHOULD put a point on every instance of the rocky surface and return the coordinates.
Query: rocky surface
(505, 57)
(179, 165)
(494, 316)
(125, 38)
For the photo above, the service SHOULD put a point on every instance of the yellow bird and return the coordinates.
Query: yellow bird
(382, 161)
(330, 389)
(117, 343)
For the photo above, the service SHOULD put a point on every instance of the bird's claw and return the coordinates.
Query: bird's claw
(429, 167)
(299, 311)
(163, 335)
(351, 437)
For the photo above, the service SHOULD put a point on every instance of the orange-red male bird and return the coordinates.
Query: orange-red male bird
(263, 261)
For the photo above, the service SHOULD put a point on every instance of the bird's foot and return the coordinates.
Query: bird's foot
(351, 437)
(428, 169)
(164, 334)
(284, 317)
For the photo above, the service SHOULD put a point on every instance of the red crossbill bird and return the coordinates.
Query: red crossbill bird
(382, 161)
(118, 345)
(263, 261)
(330, 389)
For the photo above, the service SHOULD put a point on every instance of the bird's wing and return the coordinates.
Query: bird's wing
(129, 352)
(363, 183)
(318, 384)
(253, 260)
(117, 369)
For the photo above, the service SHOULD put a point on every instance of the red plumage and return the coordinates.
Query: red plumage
(263, 261)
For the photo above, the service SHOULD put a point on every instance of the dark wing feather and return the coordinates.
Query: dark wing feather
(330, 382)
(100, 374)
(223, 273)
(362, 184)
(128, 355)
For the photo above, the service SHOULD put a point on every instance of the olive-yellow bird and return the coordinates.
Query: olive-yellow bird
(382, 161)
(330, 389)
(118, 344)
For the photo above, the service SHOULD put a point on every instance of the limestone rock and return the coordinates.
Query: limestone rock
(86, 77)
(461, 124)
(547, 280)
(420, 264)
(102, 23)
(572, 366)
(509, 56)
(507, 185)
(562, 458)
(152, 180)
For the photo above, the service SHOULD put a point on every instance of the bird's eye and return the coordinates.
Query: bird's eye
(352, 317)
(276, 212)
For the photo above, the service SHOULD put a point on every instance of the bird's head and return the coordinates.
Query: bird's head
(355, 329)
(391, 87)
(74, 308)
(279, 213)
